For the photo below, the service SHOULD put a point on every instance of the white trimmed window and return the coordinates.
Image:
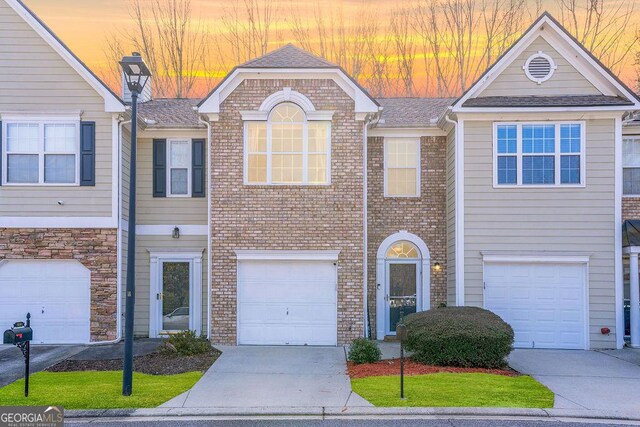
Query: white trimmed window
(539, 154)
(287, 149)
(40, 152)
(631, 166)
(179, 168)
(402, 167)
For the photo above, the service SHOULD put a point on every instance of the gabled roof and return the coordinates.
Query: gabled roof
(288, 56)
(547, 101)
(289, 59)
(112, 102)
(170, 113)
(411, 112)
(546, 20)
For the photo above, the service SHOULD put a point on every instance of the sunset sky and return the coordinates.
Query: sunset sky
(85, 25)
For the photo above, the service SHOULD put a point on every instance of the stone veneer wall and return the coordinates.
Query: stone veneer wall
(287, 217)
(95, 248)
(423, 216)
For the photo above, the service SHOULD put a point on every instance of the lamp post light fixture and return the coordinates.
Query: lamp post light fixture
(136, 74)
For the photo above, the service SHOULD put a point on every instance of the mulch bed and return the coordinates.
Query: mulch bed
(157, 363)
(392, 367)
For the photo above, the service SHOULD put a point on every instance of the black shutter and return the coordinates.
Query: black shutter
(159, 168)
(1, 171)
(88, 153)
(197, 168)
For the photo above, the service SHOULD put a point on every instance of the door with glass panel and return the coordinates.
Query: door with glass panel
(403, 275)
(174, 296)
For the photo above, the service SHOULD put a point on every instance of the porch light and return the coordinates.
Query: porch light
(135, 71)
(176, 233)
(437, 266)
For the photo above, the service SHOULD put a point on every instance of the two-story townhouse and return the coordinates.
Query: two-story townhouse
(290, 207)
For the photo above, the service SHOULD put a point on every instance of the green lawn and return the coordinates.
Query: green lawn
(448, 389)
(96, 390)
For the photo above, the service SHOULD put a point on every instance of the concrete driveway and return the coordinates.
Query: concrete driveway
(273, 377)
(599, 380)
(42, 356)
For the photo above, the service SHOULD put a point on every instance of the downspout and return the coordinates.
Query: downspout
(459, 203)
(121, 123)
(209, 244)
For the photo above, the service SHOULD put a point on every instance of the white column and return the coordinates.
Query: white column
(635, 299)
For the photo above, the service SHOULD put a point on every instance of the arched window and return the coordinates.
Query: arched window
(287, 149)
(403, 249)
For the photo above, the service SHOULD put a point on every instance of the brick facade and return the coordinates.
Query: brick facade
(287, 217)
(423, 216)
(630, 208)
(95, 248)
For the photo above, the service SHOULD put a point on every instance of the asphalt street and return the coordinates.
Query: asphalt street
(341, 423)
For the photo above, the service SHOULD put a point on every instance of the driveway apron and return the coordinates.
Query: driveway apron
(272, 377)
(585, 379)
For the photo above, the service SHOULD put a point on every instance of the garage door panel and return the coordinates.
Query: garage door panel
(57, 293)
(544, 303)
(303, 293)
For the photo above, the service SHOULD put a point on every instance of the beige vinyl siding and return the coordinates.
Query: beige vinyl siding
(451, 216)
(533, 220)
(33, 77)
(143, 266)
(163, 210)
(566, 80)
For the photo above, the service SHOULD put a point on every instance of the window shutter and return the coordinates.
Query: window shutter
(88, 153)
(197, 168)
(159, 168)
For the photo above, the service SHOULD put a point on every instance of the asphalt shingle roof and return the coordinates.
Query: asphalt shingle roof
(411, 112)
(546, 101)
(170, 113)
(288, 56)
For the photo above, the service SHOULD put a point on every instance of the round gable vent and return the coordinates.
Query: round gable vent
(539, 67)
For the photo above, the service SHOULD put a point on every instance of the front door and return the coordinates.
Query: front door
(174, 296)
(402, 285)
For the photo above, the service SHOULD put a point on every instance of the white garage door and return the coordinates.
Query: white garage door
(543, 302)
(56, 293)
(287, 303)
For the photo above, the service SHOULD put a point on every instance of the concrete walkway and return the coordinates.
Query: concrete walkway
(273, 377)
(580, 379)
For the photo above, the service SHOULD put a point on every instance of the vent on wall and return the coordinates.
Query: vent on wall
(539, 67)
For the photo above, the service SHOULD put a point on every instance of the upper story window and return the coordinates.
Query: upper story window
(402, 167)
(631, 166)
(287, 148)
(40, 152)
(179, 167)
(539, 154)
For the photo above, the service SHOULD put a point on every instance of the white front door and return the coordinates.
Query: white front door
(174, 296)
(402, 285)
(57, 293)
(287, 302)
(545, 303)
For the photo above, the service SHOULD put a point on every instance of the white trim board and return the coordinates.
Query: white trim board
(285, 255)
(167, 230)
(111, 102)
(618, 268)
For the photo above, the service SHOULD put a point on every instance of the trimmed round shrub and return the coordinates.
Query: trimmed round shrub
(364, 351)
(468, 337)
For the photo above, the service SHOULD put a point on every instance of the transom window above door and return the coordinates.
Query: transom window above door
(41, 152)
(403, 249)
(287, 148)
(539, 154)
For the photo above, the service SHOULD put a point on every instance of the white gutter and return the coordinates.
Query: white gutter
(118, 244)
(459, 198)
(365, 226)
(209, 244)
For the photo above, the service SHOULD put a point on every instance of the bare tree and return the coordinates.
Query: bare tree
(405, 50)
(604, 28)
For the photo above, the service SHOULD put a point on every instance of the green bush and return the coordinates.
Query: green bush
(469, 337)
(364, 351)
(187, 343)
